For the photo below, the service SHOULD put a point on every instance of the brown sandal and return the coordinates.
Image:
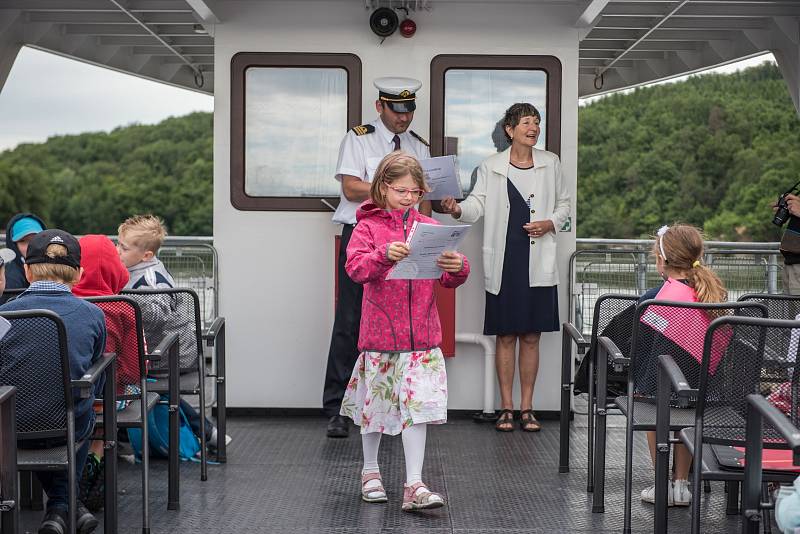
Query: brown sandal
(528, 422)
(505, 421)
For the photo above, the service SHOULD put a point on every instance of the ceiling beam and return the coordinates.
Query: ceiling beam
(157, 50)
(205, 9)
(662, 35)
(131, 40)
(635, 55)
(703, 9)
(591, 14)
(135, 30)
(645, 23)
(150, 17)
(98, 6)
(590, 44)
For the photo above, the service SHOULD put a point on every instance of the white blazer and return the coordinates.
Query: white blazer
(489, 198)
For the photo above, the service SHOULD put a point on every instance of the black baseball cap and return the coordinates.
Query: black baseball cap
(37, 248)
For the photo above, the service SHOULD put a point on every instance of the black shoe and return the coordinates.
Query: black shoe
(95, 496)
(85, 522)
(54, 522)
(338, 427)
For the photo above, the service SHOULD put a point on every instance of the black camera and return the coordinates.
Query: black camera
(782, 213)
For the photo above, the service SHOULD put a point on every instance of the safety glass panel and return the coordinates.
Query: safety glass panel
(475, 101)
(294, 121)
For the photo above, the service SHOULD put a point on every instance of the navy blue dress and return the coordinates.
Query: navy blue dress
(518, 308)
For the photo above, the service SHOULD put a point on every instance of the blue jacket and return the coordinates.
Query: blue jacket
(86, 340)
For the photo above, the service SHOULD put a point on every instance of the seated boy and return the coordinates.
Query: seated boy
(105, 275)
(20, 230)
(138, 241)
(52, 267)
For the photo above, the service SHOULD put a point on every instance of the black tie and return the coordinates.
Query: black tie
(396, 141)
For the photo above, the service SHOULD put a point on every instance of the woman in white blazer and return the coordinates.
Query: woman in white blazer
(524, 200)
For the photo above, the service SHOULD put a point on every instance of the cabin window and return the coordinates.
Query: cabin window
(469, 96)
(288, 115)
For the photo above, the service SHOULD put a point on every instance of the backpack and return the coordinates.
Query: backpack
(158, 434)
(620, 331)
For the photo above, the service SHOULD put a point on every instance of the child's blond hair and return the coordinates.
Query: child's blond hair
(682, 244)
(144, 231)
(54, 271)
(394, 166)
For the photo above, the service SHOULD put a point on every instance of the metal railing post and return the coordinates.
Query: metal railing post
(772, 273)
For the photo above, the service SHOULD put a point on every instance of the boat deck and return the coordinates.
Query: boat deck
(284, 476)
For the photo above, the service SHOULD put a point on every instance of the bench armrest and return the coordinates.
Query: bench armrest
(679, 383)
(163, 348)
(777, 420)
(85, 384)
(210, 335)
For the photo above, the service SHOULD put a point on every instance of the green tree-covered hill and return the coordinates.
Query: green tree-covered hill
(714, 151)
(89, 183)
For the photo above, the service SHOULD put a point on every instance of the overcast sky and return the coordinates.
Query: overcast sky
(48, 95)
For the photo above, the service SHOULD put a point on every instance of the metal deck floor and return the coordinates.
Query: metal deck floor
(284, 476)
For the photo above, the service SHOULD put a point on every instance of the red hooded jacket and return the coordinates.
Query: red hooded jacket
(105, 274)
(396, 315)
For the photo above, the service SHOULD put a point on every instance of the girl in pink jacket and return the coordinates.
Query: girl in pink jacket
(399, 383)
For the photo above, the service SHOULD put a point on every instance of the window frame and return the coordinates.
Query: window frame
(551, 66)
(242, 61)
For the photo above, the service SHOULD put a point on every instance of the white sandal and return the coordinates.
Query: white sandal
(373, 493)
(413, 499)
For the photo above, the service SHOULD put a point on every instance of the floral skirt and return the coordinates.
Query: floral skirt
(390, 391)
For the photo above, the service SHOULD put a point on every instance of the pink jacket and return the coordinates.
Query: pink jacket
(396, 315)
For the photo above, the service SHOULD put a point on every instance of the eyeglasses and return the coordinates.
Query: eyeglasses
(404, 191)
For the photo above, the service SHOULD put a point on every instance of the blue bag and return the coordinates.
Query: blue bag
(158, 434)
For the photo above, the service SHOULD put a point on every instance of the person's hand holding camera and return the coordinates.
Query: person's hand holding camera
(793, 203)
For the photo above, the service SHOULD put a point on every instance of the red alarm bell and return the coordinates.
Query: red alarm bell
(408, 28)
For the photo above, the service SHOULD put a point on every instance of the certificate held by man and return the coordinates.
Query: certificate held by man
(426, 242)
(441, 174)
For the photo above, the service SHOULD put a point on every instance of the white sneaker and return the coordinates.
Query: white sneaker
(212, 441)
(681, 495)
(649, 495)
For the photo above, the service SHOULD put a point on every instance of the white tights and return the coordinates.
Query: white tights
(413, 450)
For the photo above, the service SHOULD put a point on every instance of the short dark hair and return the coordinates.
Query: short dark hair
(516, 112)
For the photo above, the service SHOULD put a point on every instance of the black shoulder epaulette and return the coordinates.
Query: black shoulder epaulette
(421, 139)
(363, 129)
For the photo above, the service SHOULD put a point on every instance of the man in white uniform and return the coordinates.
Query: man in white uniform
(362, 149)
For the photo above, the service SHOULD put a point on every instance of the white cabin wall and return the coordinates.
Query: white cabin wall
(276, 268)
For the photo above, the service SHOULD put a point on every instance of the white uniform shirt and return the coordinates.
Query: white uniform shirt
(359, 156)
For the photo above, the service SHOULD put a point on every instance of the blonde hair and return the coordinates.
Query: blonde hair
(145, 231)
(682, 247)
(54, 271)
(394, 166)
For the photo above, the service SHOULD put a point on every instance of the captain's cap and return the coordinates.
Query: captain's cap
(398, 93)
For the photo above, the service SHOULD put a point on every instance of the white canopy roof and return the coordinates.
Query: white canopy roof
(623, 42)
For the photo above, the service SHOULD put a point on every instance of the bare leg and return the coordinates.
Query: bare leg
(528, 367)
(651, 446)
(97, 448)
(505, 363)
(683, 461)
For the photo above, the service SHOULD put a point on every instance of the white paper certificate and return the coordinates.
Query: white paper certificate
(427, 242)
(441, 173)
